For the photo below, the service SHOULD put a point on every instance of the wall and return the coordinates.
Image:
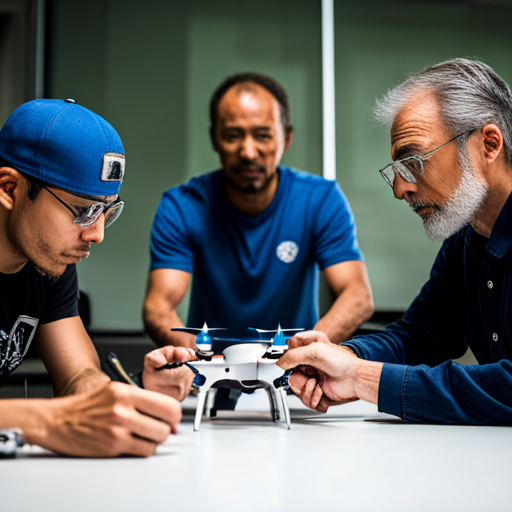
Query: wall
(377, 44)
(150, 68)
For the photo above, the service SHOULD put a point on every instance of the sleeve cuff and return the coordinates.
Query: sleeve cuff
(354, 347)
(392, 381)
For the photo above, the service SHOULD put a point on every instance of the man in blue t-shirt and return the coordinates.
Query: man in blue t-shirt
(254, 234)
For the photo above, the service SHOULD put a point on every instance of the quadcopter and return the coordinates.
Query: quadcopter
(247, 363)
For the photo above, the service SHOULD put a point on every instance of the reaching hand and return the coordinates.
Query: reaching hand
(116, 419)
(326, 373)
(174, 382)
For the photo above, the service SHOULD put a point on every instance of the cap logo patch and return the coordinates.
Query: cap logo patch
(113, 167)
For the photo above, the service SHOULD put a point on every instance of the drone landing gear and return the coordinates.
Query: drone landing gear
(279, 410)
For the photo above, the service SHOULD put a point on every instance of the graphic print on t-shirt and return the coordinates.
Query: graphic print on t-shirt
(14, 346)
(287, 251)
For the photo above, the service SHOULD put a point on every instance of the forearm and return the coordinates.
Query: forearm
(352, 307)
(31, 416)
(158, 322)
(83, 382)
(449, 393)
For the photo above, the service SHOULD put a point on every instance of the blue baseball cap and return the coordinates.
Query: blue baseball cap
(65, 145)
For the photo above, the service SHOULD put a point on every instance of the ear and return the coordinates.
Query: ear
(10, 181)
(493, 142)
(288, 138)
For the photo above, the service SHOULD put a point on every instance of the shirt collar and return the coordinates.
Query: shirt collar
(501, 235)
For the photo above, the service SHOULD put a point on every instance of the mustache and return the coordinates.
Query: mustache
(249, 167)
(418, 205)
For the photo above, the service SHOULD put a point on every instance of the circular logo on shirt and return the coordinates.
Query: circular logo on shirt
(287, 251)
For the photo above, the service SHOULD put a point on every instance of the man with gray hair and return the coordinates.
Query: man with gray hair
(451, 142)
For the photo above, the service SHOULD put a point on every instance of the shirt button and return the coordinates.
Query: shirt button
(495, 336)
(490, 285)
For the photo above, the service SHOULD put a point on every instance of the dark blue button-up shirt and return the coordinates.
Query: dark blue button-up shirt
(467, 301)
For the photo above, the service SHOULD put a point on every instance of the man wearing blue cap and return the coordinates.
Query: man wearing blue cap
(61, 167)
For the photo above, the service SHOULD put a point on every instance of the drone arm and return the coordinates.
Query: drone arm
(166, 289)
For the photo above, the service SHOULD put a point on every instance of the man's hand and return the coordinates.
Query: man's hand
(117, 419)
(328, 374)
(174, 382)
(305, 384)
(302, 339)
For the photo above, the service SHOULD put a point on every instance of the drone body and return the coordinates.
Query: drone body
(246, 364)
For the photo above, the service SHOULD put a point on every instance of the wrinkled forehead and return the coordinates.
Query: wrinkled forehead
(417, 126)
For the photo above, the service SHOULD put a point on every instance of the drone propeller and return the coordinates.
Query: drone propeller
(278, 330)
(279, 338)
(197, 330)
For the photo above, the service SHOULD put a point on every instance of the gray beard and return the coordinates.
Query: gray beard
(461, 208)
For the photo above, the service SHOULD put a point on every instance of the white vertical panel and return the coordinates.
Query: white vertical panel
(329, 122)
(40, 36)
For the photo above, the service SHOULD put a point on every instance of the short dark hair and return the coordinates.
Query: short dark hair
(34, 190)
(35, 187)
(272, 86)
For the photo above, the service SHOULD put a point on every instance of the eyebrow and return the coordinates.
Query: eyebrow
(90, 202)
(239, 128)
(408, 150)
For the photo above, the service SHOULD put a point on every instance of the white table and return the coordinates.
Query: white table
(351, 459)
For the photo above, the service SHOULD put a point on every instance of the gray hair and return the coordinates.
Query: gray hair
(470, 95)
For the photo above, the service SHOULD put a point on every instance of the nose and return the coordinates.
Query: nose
(402, 189)
(249, 149)
(95, 232)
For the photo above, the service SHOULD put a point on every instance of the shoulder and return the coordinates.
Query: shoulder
(303, 178)
(198, 187)
(187, 207)
(308, 181)
(315, 188)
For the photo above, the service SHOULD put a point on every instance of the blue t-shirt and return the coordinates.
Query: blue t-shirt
(254, 271)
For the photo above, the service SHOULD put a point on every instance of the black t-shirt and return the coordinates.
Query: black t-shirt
(27, 299)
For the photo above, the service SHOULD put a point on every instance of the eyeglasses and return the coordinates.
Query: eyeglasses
(88, 215)
(406, 167)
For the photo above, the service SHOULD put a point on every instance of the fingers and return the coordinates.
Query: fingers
(312, 393)
(297, 382)
(174, 382)
(313, 354)
(149, 403)
(136, 424)
(309, 391)
(168, 354)
(140, 447)
(305, 338)
(334, 361)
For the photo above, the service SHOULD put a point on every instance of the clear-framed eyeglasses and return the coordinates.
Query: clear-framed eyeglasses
(88, 215)
(407, 167)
